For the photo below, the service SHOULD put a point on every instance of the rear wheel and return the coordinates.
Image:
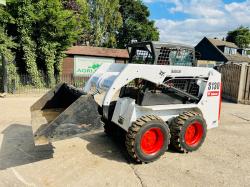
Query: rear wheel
(147, 139)
(188, 131)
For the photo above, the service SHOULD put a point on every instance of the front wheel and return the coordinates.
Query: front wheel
(147, 139)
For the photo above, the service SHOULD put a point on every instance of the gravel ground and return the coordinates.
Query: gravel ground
(95, 160)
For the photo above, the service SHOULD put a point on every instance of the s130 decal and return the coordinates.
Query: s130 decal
(213, 89)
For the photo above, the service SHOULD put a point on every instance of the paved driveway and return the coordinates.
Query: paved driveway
(95, 160)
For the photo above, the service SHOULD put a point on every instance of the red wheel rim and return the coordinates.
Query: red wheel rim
(193, 134)
(152, 141)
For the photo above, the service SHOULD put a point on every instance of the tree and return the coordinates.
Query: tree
(24, 23)
(6, 46)
(105, 21)
(239, 36)
(136, 24)
(81, 10)
(44, 29)
(6, 42)
(55, 30)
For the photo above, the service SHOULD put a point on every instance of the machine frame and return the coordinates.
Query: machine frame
(110, 78)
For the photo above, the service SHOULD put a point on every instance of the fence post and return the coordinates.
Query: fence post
(5, 74)
(241, 90)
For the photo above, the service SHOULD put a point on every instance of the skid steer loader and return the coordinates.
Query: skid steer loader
(156, 105)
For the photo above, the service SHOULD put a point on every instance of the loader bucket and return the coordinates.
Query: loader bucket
(62, 113)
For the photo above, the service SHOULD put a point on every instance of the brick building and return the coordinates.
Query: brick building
(84, 60)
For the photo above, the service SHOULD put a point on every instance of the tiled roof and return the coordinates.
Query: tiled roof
(218, 42)
(232, 58)
(237, 58)
(98, 51)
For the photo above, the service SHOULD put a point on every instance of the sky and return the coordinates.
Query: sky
(188, 21)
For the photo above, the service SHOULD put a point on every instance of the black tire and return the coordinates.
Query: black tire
(109, 127)
(136, 135)
(114, 131)
(181, 138)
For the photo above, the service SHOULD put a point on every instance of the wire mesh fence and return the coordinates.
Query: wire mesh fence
(22, 84)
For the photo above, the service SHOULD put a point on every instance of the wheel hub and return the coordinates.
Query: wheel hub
(193, 134)
(152, 141)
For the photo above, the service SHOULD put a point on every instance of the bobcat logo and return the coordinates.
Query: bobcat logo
(162, 73)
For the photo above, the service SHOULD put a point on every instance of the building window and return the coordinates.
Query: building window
(233, 51)
(230, 51)
(226, 50)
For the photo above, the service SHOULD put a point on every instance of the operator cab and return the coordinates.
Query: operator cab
(161, 54)
(178, 90)
(181, 91)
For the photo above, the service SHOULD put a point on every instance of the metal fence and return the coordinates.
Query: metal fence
(22, 84)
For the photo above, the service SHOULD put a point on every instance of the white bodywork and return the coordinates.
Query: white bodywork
(109, 79)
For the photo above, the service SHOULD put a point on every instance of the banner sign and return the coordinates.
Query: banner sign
(86, 66)
(3, 2)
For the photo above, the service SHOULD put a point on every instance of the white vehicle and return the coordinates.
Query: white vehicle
(154, 105)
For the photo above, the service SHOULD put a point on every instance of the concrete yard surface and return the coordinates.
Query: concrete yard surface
(96, 160)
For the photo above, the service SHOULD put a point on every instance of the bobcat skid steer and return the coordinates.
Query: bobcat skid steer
(156, 105)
